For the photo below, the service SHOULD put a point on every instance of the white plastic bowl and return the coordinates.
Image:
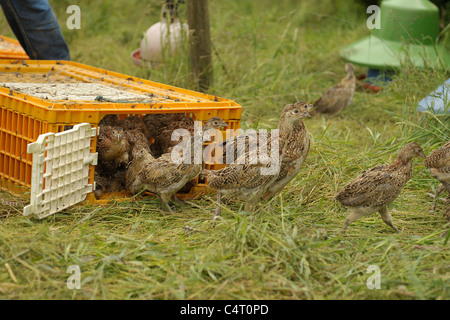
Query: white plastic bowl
(156, 38)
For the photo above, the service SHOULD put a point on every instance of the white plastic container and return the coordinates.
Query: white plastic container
(160, 36)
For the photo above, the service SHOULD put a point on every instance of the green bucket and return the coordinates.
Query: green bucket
(409, 30)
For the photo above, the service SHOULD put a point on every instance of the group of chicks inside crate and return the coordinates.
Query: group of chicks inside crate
(128, 161)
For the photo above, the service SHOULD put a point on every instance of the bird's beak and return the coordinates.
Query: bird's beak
(312, 107)
(225, 125)
(307, 114)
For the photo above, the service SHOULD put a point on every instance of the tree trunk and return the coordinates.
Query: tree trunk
(200, 44)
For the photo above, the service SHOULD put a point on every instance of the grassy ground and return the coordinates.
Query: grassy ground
(267, 54)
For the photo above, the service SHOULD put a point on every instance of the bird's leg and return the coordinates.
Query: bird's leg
(447, 186)
(270, 203)
(168, 207)
(218, 208)
(165, 203)
(177, 200)
(250, 205)
(387, 218)
(439, 189)
(353, 216)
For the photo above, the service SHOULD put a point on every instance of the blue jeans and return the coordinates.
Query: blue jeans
(37, 29)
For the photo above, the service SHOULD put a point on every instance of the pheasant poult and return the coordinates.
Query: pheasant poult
(158, 121)
(297, 150)
(248, 182)
(113, 148)
(135, 123)
(162, 176)
(109, 182)
(439, 164)
(376, 188)
(136, 137)
(111, 120)
(163, 136)
(336, 99)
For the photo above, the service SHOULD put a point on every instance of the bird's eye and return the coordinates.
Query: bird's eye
(215, 122)
(296, 111)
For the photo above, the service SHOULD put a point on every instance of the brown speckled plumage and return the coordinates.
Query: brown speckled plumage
(162, 176)
(135, 123)
(163, 136)
(102, 184)
(111, 120)
(439, 164)
(246, 181)
(337, 98)
(109, 182)
(113, 148)
(137, 137)
(157, 121)
(297, 150)
(375, 188)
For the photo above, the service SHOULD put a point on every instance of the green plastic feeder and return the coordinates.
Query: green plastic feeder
(408, 31)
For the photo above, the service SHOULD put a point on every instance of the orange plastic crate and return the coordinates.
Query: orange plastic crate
(11, 49)
(37, 97)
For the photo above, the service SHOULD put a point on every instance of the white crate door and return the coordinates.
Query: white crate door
(60, 172)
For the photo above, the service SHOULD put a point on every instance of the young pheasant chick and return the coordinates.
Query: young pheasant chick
(297, 150)
(158, 121)
(246, 181)
(111, 120)
(112, 148)
(439, 164)
(127, 124)
(163, 137)
(163, 176)
(376, 188)
(111, 182)
(135, 138)
(336, 99)
(135, 123)
(102, 185)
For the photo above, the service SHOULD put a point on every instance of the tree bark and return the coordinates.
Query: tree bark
(200, 44)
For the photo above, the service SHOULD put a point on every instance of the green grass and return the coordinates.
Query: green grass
(267, 54)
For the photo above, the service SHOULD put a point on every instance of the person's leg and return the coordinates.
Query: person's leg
(37, 29)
